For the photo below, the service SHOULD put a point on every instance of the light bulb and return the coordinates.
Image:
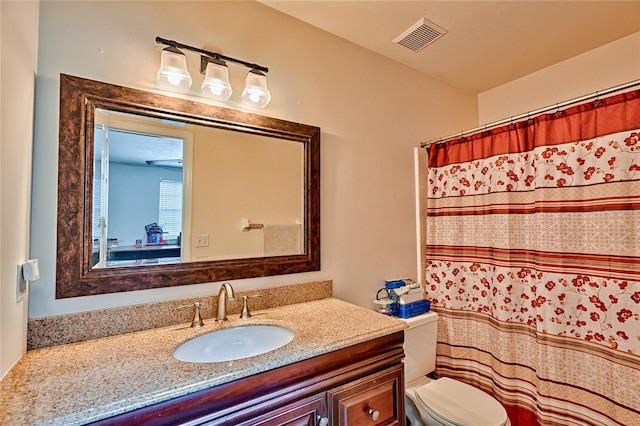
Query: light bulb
(174, 80)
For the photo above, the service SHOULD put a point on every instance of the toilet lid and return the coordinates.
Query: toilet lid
(457, 403)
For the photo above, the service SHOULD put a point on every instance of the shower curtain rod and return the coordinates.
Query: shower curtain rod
(533, 113)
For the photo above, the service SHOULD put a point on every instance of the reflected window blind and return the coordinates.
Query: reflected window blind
(170, 208)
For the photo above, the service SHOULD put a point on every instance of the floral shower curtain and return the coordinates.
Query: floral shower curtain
(533, 263)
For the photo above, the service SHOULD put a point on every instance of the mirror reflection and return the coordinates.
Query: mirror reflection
(166, 191)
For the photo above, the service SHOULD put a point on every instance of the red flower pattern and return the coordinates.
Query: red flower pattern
(604, 311)
(624, 315)
(571, 164)
(622, 334)
(601, 310)
(632, 140)
(564, 168)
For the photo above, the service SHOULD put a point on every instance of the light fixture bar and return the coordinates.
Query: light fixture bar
(179, 45)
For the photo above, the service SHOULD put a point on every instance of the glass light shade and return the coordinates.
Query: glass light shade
(255, 91)
(216, 82)
(173, 74)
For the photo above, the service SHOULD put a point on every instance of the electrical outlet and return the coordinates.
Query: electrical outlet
(202, 240)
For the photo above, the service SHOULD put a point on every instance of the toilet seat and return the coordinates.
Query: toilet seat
(454, 403)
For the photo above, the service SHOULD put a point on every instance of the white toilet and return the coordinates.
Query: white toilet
(444, 401)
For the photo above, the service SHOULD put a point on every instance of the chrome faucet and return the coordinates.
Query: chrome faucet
(225, 293)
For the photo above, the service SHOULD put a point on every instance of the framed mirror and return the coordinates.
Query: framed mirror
(156, 191)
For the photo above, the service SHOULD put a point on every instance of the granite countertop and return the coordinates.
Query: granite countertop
(79, 383)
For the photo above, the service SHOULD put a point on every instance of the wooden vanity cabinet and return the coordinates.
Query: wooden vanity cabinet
(359, 385)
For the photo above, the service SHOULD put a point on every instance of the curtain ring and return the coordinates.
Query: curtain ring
(597, 102)
(558, 113)
(529, 119)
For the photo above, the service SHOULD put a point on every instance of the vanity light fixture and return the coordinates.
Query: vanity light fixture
(173, 74)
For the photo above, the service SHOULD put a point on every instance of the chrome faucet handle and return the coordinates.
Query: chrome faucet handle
(197, 320)
(245, 305)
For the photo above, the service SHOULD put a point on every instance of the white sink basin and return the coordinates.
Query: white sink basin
(233, 343)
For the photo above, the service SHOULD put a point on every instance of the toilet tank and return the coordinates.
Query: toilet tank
(420, 345)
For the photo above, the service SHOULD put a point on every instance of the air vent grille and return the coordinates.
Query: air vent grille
(420, 34)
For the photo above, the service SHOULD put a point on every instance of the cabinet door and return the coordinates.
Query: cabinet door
(306, 412)
(377, 399)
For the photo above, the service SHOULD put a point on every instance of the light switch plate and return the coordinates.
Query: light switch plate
(202, 240)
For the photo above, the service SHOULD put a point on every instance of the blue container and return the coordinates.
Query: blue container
(410, 309)
(394, 284)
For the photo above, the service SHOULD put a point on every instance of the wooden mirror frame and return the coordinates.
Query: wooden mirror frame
(74, 275)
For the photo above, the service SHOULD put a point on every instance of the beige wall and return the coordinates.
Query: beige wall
(235, 176)
(19, 37)
(607, 66)
(372, 112)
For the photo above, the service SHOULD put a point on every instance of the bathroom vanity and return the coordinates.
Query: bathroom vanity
(344, 366)
(358, 385)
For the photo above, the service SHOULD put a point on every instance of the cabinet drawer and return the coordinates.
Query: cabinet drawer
(377, 399)
(306, 412)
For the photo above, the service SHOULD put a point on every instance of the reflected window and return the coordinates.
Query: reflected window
(171, 209)
(138, 182)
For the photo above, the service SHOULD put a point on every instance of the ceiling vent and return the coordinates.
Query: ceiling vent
(419, 35)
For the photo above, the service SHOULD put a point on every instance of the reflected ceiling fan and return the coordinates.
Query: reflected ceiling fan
(174, 163)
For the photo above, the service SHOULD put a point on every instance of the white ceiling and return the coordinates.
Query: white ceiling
(488, 43)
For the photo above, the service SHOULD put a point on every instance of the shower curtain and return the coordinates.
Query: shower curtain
(533, 263)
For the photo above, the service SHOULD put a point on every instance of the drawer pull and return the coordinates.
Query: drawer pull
(375, 414)
(323, 421)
